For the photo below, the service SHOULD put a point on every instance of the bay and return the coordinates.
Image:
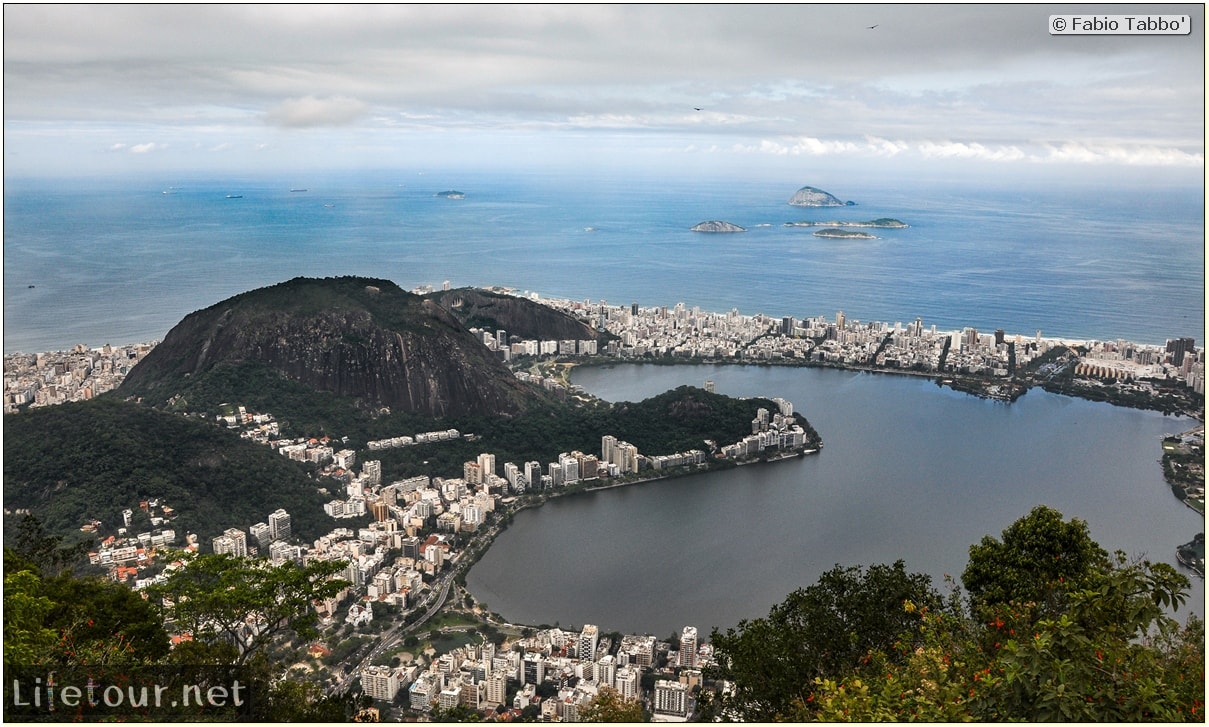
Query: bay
(908, 471)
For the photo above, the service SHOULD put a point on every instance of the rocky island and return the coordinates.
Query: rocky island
(885, 223)
(813, 197)
(717, 226)
(844, 234)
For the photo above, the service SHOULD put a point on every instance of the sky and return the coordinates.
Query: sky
(241, 89)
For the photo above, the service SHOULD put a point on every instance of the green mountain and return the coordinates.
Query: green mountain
(363, 340)
(73, 463)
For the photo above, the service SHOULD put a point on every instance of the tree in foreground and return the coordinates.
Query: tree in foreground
(1112, 656)
(823, 630)
(247, 603)
(609, 706)
(1080, 637)
(1039, 560)
(60, 622)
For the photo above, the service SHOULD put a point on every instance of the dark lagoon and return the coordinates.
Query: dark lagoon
(908, 471)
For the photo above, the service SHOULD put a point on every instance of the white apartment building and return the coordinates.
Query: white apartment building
(671, 697)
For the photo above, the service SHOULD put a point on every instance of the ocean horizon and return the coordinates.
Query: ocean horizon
(122, 261)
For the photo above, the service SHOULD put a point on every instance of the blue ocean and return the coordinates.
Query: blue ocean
(121, 261)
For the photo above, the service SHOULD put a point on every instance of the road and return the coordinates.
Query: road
(351, 668)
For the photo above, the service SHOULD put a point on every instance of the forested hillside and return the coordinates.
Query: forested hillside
(90, 460)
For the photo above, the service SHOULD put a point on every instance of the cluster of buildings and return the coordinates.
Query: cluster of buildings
(269, 539)
(43, 379)
(413, 524)
(692, 333)
(1127, 361)
(557, 672)
(126, 553)
(778, 433)
(443, 435)
(508, 347)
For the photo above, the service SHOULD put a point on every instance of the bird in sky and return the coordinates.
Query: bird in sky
(695, 108)
(871, 27)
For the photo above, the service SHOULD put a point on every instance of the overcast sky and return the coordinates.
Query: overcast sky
(244, 89)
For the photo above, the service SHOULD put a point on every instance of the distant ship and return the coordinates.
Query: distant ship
(234, 196)
(298, 190)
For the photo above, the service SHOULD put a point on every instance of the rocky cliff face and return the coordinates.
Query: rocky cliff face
(354, 337)
(812, 197)
(478, 308)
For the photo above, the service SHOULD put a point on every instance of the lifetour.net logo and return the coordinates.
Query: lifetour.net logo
(156, 693)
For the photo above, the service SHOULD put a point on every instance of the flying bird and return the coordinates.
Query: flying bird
(696, 108)
(871, 27)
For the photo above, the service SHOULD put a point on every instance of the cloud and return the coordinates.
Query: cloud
(310, 112)
(146, 148)
(1047, 153)
(1119, 154)
(974, 150)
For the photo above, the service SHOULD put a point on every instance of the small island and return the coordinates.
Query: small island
(814, 197)
(451, 194)
(885, 223)
(717, 226)
(845, 234)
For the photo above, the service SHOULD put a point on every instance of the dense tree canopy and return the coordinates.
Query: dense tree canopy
(1040, 557)
(821, 630)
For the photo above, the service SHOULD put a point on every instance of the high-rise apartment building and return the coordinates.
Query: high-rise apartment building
(261, 533)
(371, 470)
(606, 670)
(533, 474)
(279, 525)
(608, 443)
(671, 697)
(626, 681)
(497, 688)
(380, 682)
(1178, 347)
(533, 669)
(233, 541)
(688, 647)
(588, 638)
(486, 466)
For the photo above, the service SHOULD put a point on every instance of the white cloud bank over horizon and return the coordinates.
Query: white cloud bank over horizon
(252, 87)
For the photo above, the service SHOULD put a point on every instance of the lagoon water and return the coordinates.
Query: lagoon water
(908, 470)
